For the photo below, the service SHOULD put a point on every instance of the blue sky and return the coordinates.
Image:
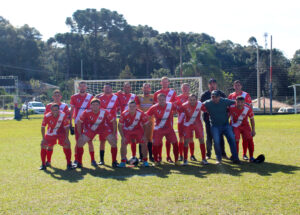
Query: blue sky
(224, 20)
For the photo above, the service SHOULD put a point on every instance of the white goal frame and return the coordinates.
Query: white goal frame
(175, 83)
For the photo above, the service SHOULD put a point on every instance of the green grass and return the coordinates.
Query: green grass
(269, 188)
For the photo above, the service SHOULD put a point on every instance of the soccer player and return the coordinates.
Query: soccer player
(79, 103)
(238, 92)
(125, 97)
(217, 108)
(170, 97)
(109, 102)
(185, 89)
(62, 107)
(133, 127)
(192, 122)
(212, 85)
(94, 121)
(57, 123)
(163, 113)
(239, 114)
(144, 102)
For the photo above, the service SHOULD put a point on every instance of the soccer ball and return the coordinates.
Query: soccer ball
(133, 161)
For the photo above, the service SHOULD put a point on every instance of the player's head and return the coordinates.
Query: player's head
(55, 109)
(240, 102)
(212, 84)
(161, 98)
(215, 96)
(132, 106)
(185, 88)
(82, 86)
(146, 88)
(127, 87)
(95, 105)
(193, 99)
(237, 86)
(56, 95)
(107, 89)
(165, 82)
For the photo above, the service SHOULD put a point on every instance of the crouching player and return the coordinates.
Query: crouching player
(192, 122)
(239, 114)
(163, 113)
(133, 127)
(58, 130)
(94, 121)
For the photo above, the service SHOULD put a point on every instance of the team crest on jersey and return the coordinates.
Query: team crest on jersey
(92, 118)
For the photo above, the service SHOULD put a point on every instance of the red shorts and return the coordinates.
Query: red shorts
(102, 134)
(197, 127)
(169, 133)
(245, 131)
(52, 140)
(105, 131)
(180, 128)
(136, 135)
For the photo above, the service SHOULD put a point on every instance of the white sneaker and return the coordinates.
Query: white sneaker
(204, 162)
(218, 162)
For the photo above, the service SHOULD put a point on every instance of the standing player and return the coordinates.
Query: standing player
(133, 127)
(163, 112)
(239, 114)
(170, 97)
(62, 107)
(144, 102)
(57, 123)
(192, 122)
(238, 92)
(185, 88)
(79, 103)
(109, 102)
(125, 97)
(94, 121)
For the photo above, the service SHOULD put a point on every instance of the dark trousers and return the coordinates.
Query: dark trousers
(209, 141)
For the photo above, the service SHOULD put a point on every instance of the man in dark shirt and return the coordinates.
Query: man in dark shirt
(212, 85)
(217, 109)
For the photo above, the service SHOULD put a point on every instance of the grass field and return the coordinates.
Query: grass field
(269, 188)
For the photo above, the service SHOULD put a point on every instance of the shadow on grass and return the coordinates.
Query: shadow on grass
(163, 171)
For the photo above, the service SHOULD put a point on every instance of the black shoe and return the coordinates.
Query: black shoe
(151, 159)
(180, 158)
(236, 162)
(48, 164)
(244, 157)
(43, 167)
(75, 163)
(140, 159)
(94, 164)
(70, 166)
(115, 164)
(231, 158)
(208, 157)
(101, 163)
(78, 165)
(169, 160)
(193, 158)
(224, 156)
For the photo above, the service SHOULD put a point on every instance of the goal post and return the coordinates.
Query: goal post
(96, 86)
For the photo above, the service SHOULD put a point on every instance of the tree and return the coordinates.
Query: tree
(126, 74)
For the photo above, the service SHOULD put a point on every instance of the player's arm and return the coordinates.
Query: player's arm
(252, 122)
(114, 122)
(71, 114)
(43, 132)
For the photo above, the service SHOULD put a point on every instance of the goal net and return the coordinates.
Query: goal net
(96, 86)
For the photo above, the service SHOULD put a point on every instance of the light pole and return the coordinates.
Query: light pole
(258, 75)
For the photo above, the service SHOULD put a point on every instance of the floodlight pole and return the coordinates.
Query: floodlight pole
(271, 70)
(258, 76)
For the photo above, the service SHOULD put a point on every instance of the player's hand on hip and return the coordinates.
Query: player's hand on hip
(253, 133)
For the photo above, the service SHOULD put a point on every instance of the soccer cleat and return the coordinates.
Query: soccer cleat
(251, 160)
(169, 159)
(159, 159)
(180, 158)
(78, 165)
(231, 158)
(122, 165)
(177, 163)
(70, 166)
(75, 164)
(185, 163)
(218, 162)
(245, 157)
(43, 167)
(193, 158)
(94, 163)
(115, 164)
(208, 157)
(157, 163)
(151, 159)
(236, 162)
(224, 156)
(204, 162)
(101, 163)
(48, 164)
(145, 164)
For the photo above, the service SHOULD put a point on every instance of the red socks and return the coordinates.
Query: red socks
(202, 148)
(180, 148)
(175, 151)
(133, 149)
(92, 154)
(185, 152)
(168, 148)
(79, 154)
(160, 151)
(192, 148)
(237, 146)
(114, 151)
(245, 144)
(251, 147)
(49, 155)
(43, 156)
(68, 155)
(156, 151)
